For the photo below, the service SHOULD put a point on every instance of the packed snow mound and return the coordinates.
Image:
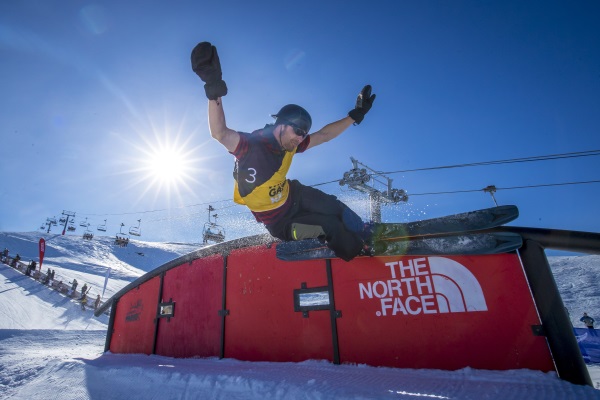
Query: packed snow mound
(50, 348)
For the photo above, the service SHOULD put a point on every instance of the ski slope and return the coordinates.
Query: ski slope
(50, 348)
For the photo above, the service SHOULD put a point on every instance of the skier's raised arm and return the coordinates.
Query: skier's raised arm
(206, 64)
(218, 127)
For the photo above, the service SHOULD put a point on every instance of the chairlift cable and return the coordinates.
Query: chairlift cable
(507, 188)
(548, 157)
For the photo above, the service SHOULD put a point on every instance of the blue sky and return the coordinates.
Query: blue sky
(92, 92)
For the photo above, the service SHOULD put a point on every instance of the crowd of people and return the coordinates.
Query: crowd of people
(49, 279)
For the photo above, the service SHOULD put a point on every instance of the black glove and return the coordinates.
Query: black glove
(206, 64)
(364, 102)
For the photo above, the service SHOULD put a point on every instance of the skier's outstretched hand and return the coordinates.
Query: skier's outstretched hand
(364, 102)
(206, 64)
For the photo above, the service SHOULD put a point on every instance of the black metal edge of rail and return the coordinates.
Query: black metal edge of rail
(556, 323)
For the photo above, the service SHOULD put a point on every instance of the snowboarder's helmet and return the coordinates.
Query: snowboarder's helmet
(295, 116)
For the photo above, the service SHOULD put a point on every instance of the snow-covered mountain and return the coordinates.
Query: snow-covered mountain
(74, 253)
(72, 257)
(50, 348)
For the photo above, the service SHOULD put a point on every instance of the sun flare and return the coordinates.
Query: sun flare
(167, 165)
(165, 161)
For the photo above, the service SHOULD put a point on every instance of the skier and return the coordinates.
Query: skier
(288, 209)
(587, 320)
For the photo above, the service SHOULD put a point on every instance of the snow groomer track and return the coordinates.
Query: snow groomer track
(237, 300)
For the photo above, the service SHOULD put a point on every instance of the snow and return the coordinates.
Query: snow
(50, 348)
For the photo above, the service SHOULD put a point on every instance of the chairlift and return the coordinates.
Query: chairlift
(136, 230)
(62, 220)
(88, 235)
(84, 223)
(102, 227)
(52, 220)
(212, 232)
(43, 227)
(121, 239)
(71, 227)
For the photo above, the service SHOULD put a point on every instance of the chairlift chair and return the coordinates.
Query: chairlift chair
(71, 227)
(121, 238)
(211, 231)
(88, 235)
(136, 230)
(84, 223)
(102, 227)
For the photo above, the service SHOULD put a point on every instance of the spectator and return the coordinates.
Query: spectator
(588, 321)
(97, 303)
(15, 261)
(52, 274)
(30, 268)
(74, 287)
(84, 289)
(83, 301)
(5, 255)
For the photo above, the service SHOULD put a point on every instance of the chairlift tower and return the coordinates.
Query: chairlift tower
(360, 178)
(47, 225)
(67, 214)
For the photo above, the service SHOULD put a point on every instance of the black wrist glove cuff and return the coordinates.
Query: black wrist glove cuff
(357, 115)
(215, 89)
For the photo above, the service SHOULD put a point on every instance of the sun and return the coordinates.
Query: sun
(167, 165)
(163, 161)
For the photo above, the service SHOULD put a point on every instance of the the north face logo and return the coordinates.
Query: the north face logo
(427, 285)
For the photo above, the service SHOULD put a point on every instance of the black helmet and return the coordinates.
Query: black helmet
(293, 115)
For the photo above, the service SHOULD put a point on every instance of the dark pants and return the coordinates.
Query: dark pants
(315, 214)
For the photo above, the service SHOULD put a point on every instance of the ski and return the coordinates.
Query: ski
(384, 234)
(451, 244)
(463, 222)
